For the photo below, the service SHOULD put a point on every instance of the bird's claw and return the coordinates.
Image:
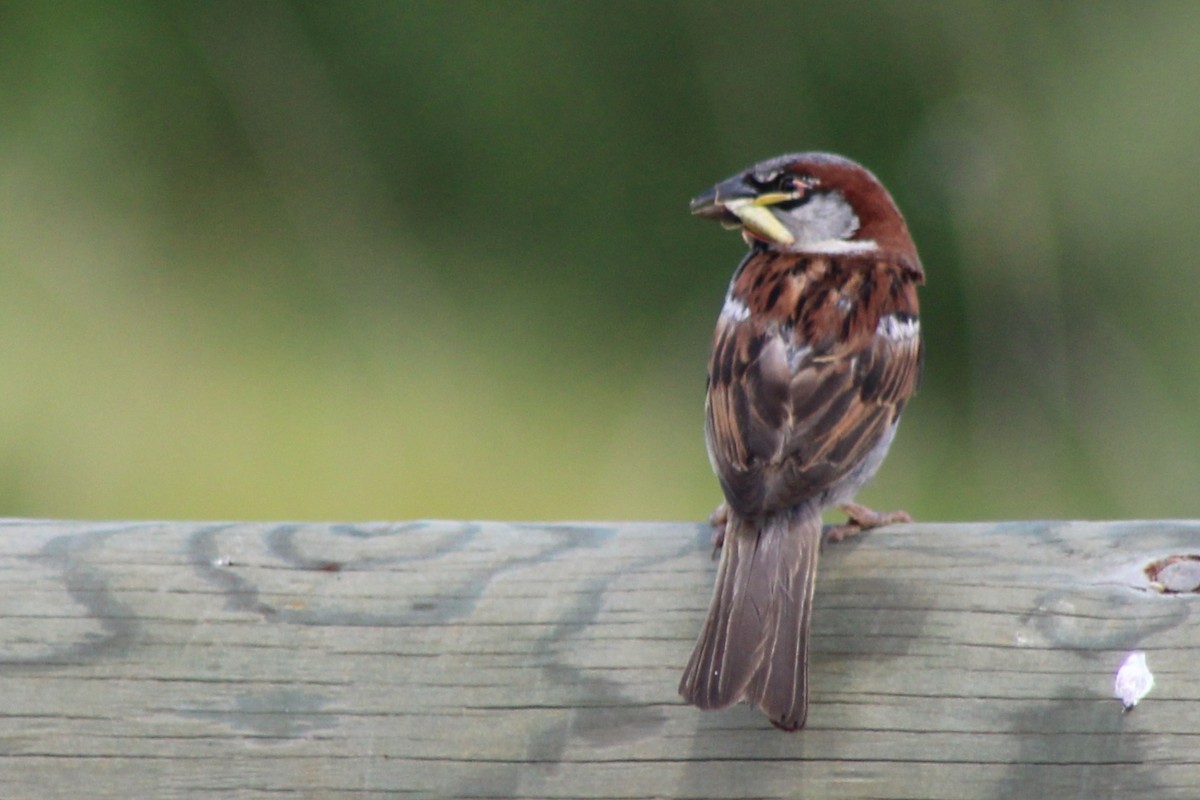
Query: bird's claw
(861, 518)
(718, 519)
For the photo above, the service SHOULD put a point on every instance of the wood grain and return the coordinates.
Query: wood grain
(488, 660)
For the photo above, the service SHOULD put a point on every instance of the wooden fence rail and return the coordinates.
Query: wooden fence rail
(489, 660)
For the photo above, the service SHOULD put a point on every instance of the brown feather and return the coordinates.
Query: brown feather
(754, 645)
(849, 380)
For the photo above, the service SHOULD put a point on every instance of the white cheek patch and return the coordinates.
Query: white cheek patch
(734, 310)
(899, 327)
(834, 247)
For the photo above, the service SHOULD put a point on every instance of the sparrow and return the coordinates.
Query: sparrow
(816, 351)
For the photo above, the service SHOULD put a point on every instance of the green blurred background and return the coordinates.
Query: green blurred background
(411, 259)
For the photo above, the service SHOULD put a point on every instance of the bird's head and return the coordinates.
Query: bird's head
(809, 203)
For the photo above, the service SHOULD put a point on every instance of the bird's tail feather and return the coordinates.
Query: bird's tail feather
(754, 644)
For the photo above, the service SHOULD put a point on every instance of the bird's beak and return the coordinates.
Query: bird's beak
(735, 203)
(712, 204)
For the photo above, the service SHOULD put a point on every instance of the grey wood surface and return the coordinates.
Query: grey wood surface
(472, 660)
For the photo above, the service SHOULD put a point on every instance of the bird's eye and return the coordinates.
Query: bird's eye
(766, 179)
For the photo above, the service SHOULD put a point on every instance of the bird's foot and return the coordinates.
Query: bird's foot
(862, 518)
(718, 519)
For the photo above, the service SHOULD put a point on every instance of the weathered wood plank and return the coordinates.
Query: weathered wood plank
(489, 660)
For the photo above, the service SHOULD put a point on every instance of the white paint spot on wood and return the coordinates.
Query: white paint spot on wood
(1134, 680)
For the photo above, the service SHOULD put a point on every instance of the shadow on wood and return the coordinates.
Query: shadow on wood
(445, 659)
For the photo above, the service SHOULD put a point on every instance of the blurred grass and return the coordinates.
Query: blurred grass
(392, 260)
